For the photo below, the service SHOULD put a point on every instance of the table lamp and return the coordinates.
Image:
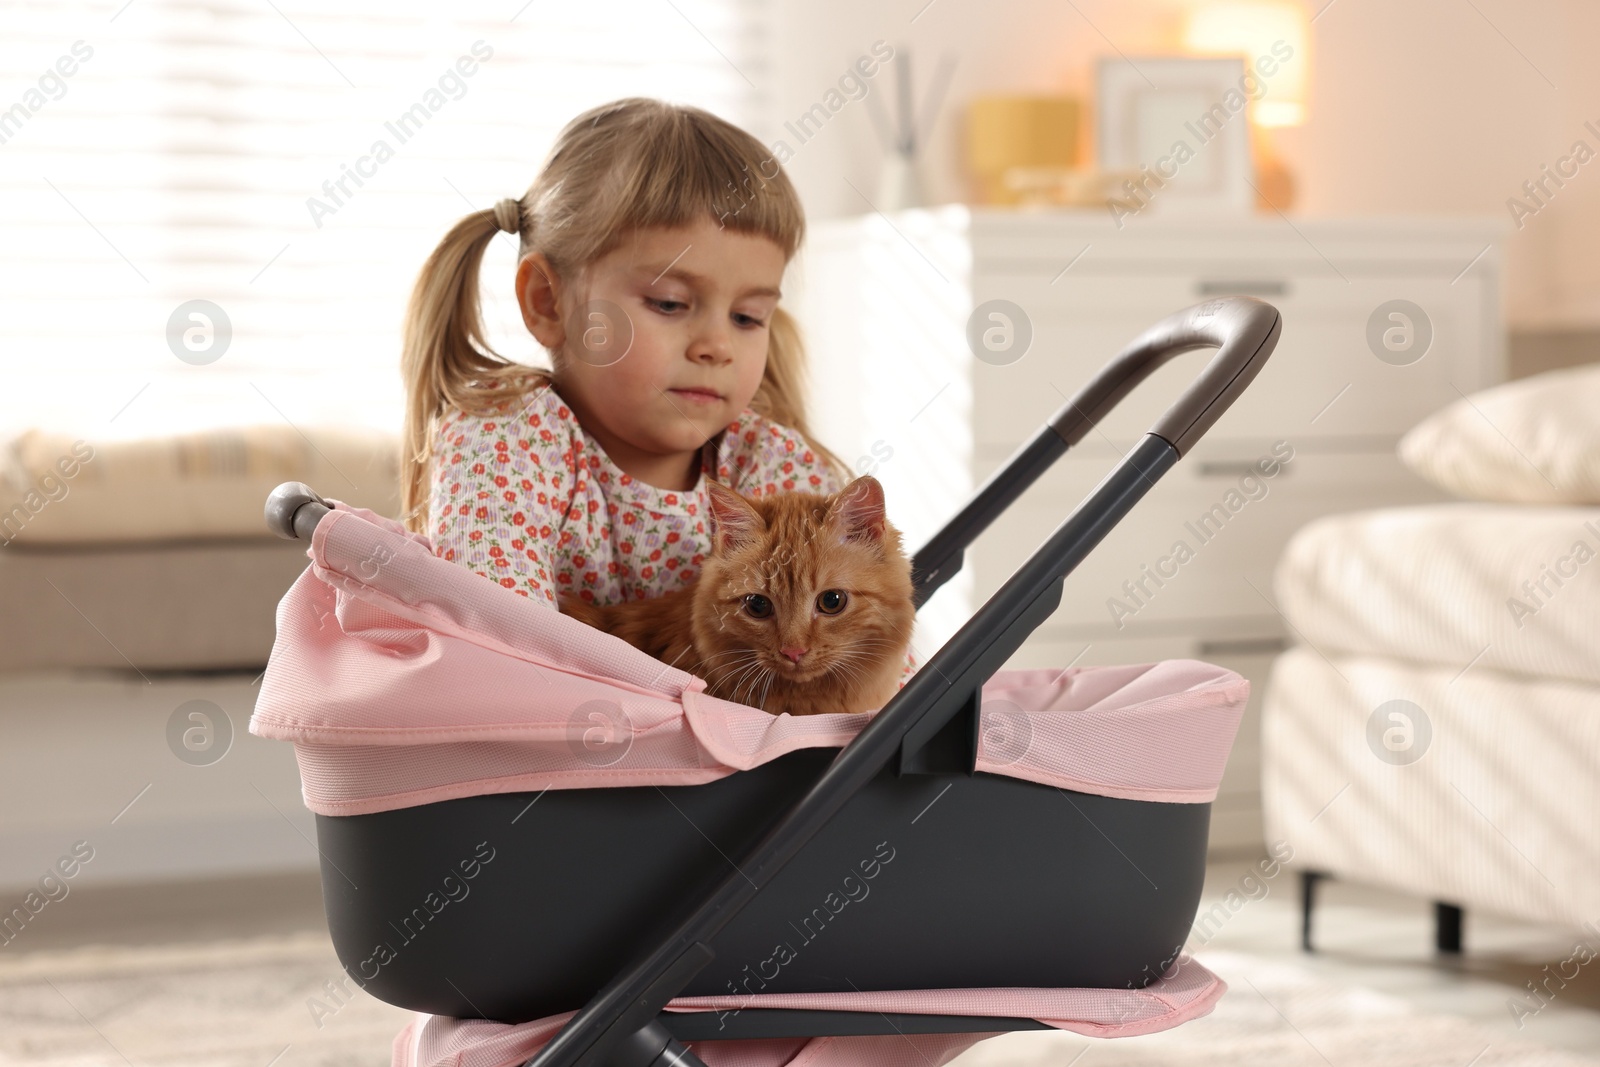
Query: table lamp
(1274, 37)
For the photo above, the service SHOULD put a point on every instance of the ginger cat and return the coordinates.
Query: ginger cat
(802, 606)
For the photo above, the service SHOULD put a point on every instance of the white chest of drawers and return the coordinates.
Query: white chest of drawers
(896, 388)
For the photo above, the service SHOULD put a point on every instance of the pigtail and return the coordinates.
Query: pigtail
(781, 395)
(445, 361)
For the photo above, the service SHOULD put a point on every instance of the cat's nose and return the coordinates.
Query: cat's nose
(793, 653)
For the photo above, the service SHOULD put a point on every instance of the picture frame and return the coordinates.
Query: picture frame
(1179, 129)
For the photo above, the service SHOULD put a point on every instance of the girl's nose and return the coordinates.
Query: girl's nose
(711, 345)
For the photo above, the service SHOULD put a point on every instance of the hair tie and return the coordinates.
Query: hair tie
(508, 215)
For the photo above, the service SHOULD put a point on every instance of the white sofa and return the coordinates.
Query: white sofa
(1436, 727)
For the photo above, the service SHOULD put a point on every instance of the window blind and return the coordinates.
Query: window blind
(292, 164)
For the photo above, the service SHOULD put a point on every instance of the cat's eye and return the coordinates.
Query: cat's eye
(831, 601)
(757, 606)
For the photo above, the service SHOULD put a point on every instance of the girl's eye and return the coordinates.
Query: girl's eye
(749, 321)
(757, 606)
(831, 601)
(666, 307)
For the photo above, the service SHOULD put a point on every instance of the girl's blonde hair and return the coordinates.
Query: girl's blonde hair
(633, 163)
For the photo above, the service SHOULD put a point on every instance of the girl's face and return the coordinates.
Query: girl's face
(663, 342)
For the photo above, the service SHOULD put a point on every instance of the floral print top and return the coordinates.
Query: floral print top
(528, 499)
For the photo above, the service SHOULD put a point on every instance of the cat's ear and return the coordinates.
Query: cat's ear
(733, 521)
(857, 510)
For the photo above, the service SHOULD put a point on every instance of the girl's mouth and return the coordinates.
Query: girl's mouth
(699, 396)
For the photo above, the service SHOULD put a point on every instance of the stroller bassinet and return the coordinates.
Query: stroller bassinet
(684, 869)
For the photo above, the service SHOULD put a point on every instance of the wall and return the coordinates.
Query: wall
(1417, 106)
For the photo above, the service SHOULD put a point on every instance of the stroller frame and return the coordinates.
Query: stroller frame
(930, 727)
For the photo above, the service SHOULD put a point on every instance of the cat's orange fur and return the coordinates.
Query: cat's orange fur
(789, 548)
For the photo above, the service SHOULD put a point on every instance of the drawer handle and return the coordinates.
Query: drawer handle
(1232, 468)
(1241, 288)
(1256, 646)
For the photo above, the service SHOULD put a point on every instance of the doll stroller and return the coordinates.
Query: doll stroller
(628, 860)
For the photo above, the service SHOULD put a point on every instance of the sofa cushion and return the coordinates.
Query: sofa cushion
(1499, 586)
(58, 488)
(1534, 441)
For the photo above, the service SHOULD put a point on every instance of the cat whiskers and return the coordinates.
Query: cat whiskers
(730, 652)
(844, 664)
(709, 666)
(743, 670)
(761, 674)
(866, 646)
(847, 660)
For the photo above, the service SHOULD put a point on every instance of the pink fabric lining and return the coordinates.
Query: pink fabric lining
(403, 679)
(1187, 991)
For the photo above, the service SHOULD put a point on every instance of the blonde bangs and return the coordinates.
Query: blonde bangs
(668, 166)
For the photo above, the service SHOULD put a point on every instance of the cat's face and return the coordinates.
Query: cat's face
(801, 586)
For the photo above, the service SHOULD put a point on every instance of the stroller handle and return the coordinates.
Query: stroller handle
(932, 722)
(1243, 329)
(294, 509)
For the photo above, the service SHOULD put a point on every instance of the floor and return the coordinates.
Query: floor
(1376, 943)
(1383, 942)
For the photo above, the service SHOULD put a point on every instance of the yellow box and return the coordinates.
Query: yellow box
(1006, 132)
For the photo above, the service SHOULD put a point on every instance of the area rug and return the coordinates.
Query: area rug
(1279, 1013)
(282, 1002)
(248, 1003)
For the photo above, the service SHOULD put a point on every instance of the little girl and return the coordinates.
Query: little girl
(653, 245)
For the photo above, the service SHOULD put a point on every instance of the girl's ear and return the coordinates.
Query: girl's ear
(539, 296)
